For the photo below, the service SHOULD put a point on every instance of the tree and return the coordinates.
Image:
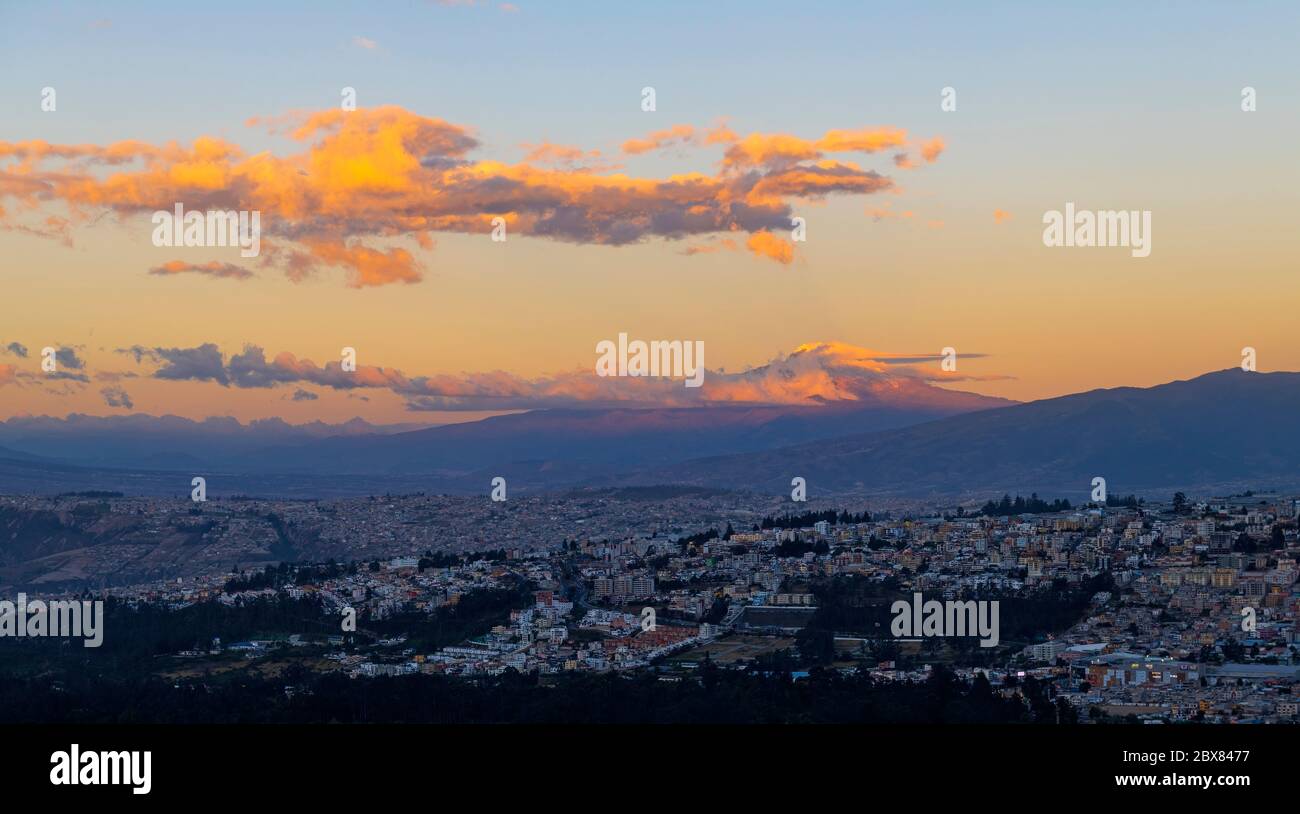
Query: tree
(1065, 712)
(709, 673)
(816, 645)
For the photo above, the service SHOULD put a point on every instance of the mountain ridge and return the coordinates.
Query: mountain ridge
(1220, 428)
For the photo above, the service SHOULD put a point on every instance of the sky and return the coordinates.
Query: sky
(923, 226)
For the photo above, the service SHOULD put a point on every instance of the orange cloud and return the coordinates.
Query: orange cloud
(721, 134)
(676, 135)
(771, 150)
(681, 135)
(765, 244)
(1001, 216)
(817, 180)
(547, 153)
(367, 178)
(931, 149)
(369, 266)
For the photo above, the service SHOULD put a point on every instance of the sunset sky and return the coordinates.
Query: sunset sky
(924, 227)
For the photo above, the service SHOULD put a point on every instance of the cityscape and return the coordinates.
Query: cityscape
(1175, 611)
(537, 400)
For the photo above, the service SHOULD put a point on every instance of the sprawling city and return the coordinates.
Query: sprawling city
(529, 401)
(1175, 611)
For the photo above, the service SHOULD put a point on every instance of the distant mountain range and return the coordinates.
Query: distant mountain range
(539, 449)
(1219, 431)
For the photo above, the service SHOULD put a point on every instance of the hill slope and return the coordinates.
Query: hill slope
(1218, 430)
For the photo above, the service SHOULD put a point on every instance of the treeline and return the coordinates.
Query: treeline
(703, 537)
(134, 635)
(1034, 505)
(1054, 608)
(474, 614)
(1130, 502)
(797, 548)
(808, 519)
(718, 696)
(285, 574)
(446, 559)
(856, 605)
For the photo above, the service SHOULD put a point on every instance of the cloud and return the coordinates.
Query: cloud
(363, 42)
(63, 375)
(304, 395)
(567, 156)
(678, 134)
(139, 353)
(212, 269)
(69, 367)
(1001, 216)
(117, 397)
(370, 266)
(818, 180)
(53, 227)
(780, 150)
(931, 149)
(363, 190)
(67, 357)
(765, 244)
(547, 153)
(813, 374)
(203, 363)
